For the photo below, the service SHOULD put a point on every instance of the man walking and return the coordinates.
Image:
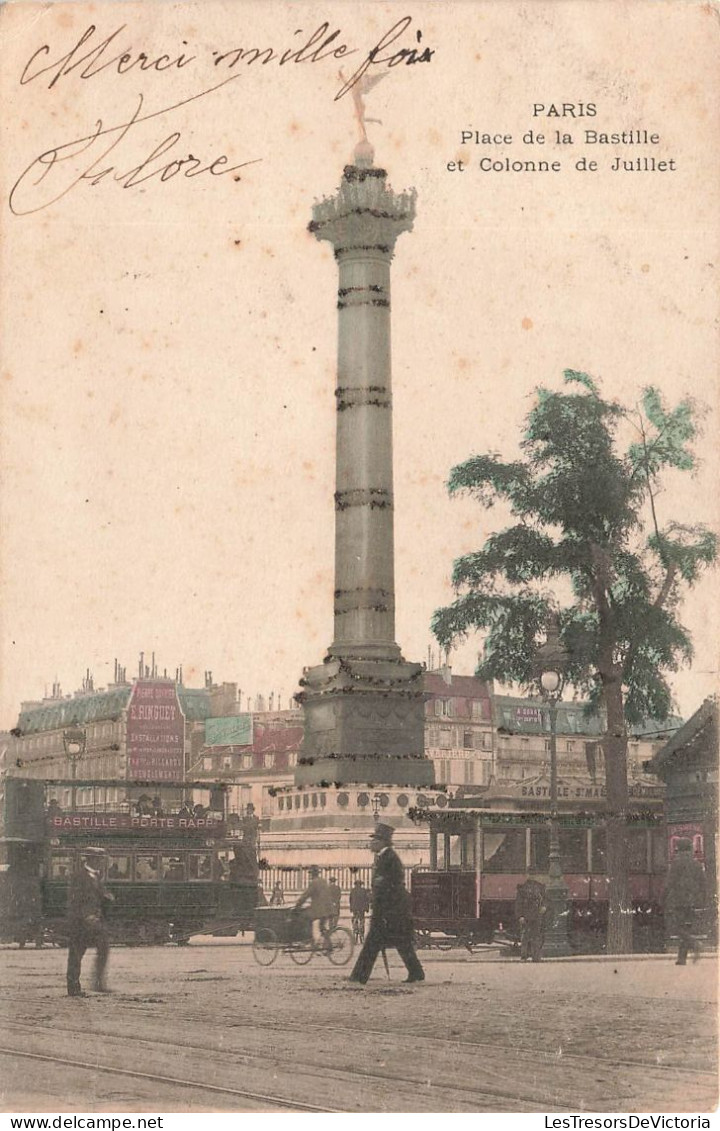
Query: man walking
(87, 900)
(530, 917)
(684, 897)
(391, 921)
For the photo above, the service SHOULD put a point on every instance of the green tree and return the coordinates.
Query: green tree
(587, 512)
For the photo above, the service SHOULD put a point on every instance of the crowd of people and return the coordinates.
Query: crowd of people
(388, 903)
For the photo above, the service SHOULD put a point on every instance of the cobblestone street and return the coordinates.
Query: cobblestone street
(204, 1028)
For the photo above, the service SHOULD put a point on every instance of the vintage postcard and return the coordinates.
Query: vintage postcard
(359, 375)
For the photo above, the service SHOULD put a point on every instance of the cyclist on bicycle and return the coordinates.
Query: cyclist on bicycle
(317, 895)
(359, 906)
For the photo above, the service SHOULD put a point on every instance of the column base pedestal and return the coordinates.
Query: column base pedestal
(364, 723)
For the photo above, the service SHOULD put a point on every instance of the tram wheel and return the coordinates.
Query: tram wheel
(265, 946)
(341, 946)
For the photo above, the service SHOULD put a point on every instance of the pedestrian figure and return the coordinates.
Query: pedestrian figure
(277, 898)
(87, 900)
(391, 922)
(317, 895)
(359, 907)
(530, 912)
(684, 898)
(336, 897)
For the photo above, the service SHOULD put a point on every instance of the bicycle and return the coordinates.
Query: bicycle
(292, 934)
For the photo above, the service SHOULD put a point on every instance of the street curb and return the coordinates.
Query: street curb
(669, 957)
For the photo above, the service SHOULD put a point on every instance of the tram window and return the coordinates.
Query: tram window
(146, 867)
(199, 866)
(637, 850)
(118, 867)
(659, 850)
(172, 868)
(573, 850)
(540, 850)
(599, 849)
(504, 851)
(60, 866)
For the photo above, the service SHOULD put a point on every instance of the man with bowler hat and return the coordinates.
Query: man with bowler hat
(391, 921)
(87, 900)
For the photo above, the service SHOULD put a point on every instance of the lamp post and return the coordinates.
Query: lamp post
(376, 801)
(550, 661)
(74, 743)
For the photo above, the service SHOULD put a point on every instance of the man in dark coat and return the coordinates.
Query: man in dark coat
(87, 900)
(391, 921)
(684, 899)
(336, 897)
(530, 918)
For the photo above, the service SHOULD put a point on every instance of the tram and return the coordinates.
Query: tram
(482, 847)
(172, 868)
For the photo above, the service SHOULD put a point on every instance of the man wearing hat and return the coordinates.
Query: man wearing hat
(684, 898)
(87, 900)
(317, 895)
(391, 921)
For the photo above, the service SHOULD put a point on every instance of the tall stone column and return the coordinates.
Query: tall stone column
(363, 706)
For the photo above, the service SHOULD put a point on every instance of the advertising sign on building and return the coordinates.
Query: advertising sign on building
(233, 730)
(529, 714)
(155, 732)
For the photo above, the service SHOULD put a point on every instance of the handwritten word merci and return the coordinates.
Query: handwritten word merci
(82, 160)
(322, 44)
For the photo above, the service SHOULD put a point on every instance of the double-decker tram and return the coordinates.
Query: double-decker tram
(482, 847)
(174, 865)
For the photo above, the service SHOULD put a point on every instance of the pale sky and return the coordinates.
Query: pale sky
(168, 349)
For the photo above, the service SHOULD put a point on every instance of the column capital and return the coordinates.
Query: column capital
(365, 215)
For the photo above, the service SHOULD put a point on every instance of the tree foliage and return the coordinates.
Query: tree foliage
(584, 511)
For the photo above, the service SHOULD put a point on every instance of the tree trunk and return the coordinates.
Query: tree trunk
(620, 922)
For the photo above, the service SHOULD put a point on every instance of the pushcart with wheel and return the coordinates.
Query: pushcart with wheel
(285, 929)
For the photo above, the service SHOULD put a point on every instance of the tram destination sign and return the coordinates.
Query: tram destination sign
(155, 732)
(112, 823)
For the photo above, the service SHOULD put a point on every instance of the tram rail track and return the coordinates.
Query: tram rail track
(205, 1017)
(516, 1100)
(175, 1081)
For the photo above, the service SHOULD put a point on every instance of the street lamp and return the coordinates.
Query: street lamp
(376, 802)
(550, 661)
(74, 743)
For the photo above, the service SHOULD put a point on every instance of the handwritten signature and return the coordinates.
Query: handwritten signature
(54, 173)
(50, 171)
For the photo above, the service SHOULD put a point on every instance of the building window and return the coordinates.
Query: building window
(443, 707)
(207, 764)
(292, 758)
(445, 738)
(477, 708)
(443, 772)
(467, 740)
(469, 775)
(268, 761)
(227, 762)
(247, 761)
